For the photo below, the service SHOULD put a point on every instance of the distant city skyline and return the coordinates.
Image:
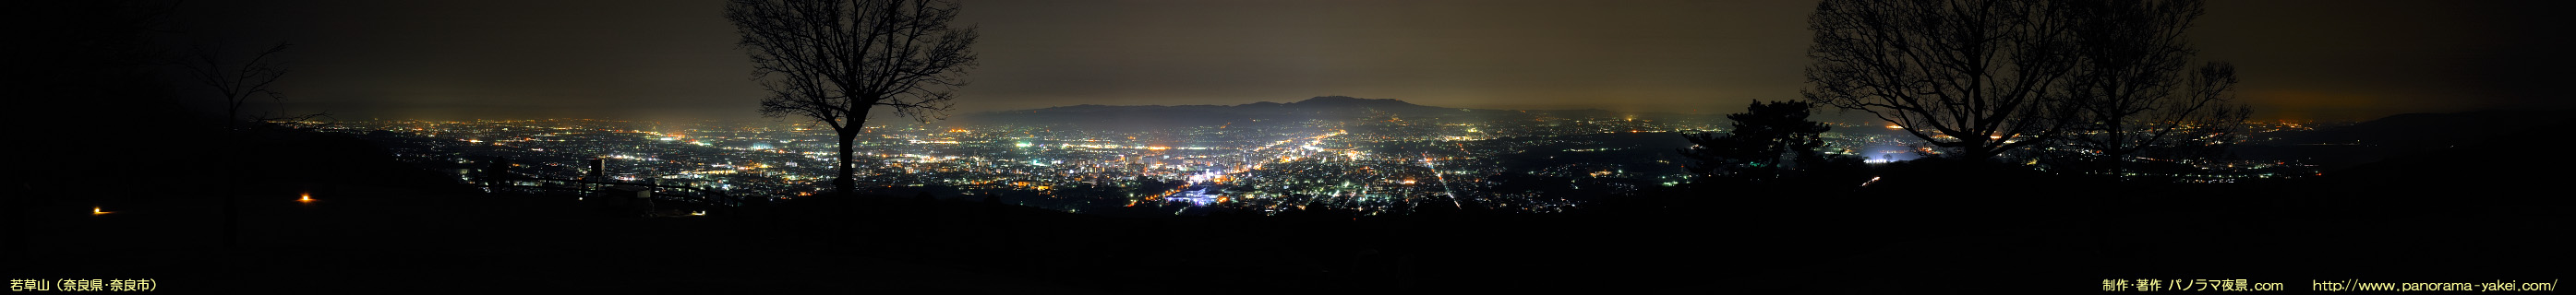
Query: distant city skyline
(2320, 60)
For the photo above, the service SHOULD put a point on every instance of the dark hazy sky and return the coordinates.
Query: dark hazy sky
(675, 59)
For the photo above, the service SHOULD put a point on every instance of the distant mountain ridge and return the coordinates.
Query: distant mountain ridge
(1319, 102)
(2404, 134)
(1348, 102)
(2434, 128)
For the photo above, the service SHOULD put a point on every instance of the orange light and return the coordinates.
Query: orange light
(308, 198)
(97, 211)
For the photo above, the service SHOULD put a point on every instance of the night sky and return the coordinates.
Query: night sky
(660, 60)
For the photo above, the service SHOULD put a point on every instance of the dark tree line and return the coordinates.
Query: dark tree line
(1984, 78)
(1972, 76)
(1768, 139)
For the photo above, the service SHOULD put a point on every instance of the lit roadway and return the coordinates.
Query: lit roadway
(1443, 178)
(1281, 157)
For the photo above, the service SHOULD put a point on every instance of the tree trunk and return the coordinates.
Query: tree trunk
(847, 184)
(1978, 154)
(1975, 150)
(2117, 152)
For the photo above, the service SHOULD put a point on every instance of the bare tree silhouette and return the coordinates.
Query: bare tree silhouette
(2133, 91)
(237, 82)
(1974, 76)
(833, 61)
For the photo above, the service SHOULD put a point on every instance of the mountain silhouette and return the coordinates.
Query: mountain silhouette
(2376, 140)
(2416, 130)
(1319, 103)
(1354, 102)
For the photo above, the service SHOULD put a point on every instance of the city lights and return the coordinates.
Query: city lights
(1499, 147)
(1519, 165)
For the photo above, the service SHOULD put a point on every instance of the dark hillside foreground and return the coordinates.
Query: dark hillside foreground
(380, 225)
(2429, 217)
(377, 225)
